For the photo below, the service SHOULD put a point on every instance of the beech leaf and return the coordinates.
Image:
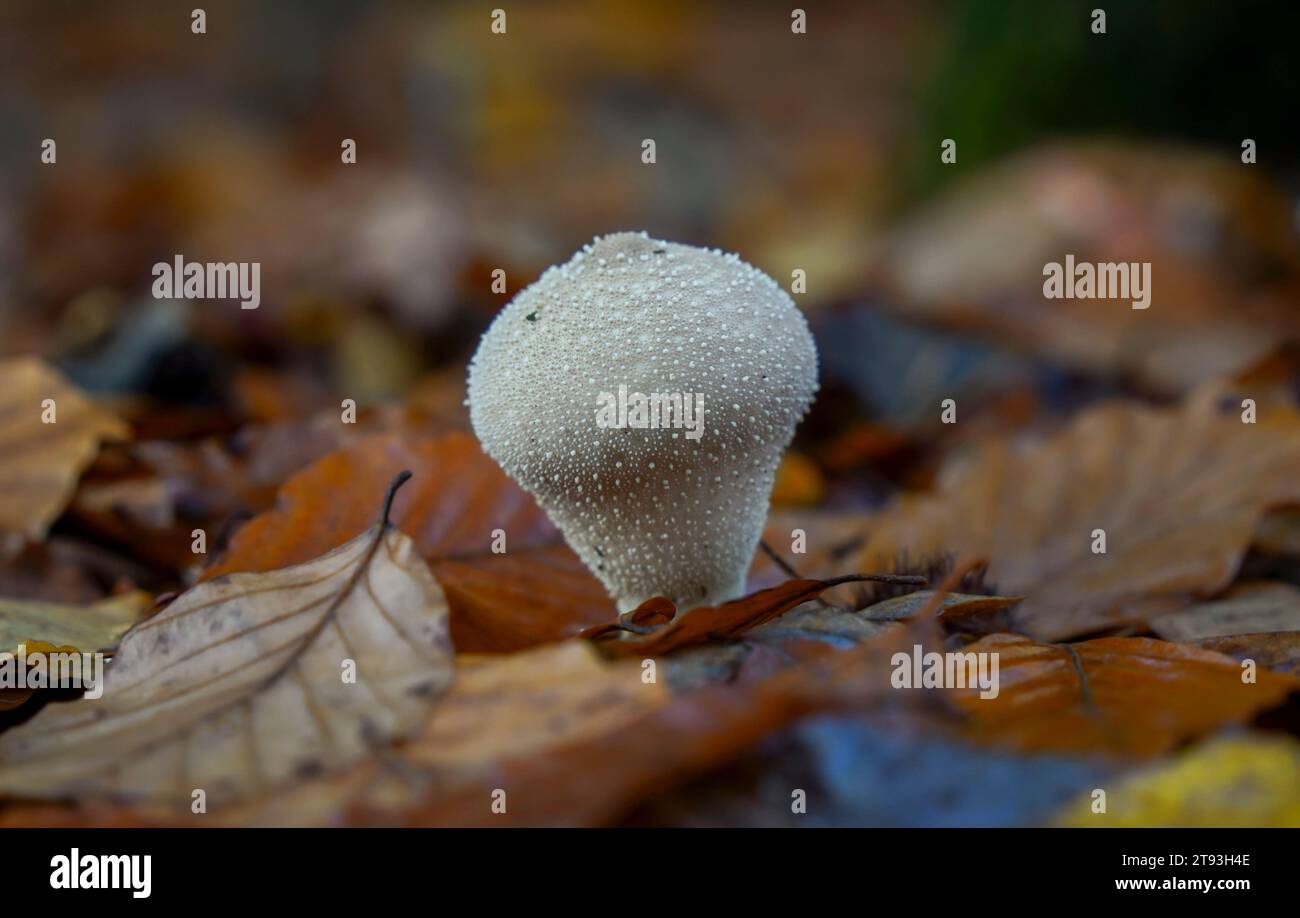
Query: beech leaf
(240, 685)
(49, 433)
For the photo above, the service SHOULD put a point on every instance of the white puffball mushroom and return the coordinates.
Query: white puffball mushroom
(669, 511)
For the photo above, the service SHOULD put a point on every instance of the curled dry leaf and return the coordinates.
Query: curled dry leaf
(1132, 697)
(655, 628)
(241, 685)
(536, 591)
(42, 460)
(1177, 492)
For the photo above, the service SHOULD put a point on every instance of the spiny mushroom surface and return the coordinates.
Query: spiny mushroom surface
(652, 511)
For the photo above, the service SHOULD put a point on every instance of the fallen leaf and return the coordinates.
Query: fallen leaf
(1128, 697)
(667, 630)
(572, 738)
(500, 708)
(92, 628)
(517, 707)
(534, 592)
(843, 626)
(1178, 493)
(951, 607)
(1248, 608)
(242, 684)
(1277, 650)
(1220, 242)
(1250, 781)
(43, 460)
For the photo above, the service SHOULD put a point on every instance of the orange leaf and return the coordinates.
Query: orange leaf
(704, 623)
(1122, 696)
(43, 459)
(537, 591)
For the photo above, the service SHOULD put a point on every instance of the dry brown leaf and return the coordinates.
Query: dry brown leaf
(239, 686)
(537, 591)
(519, 707)
(952, 607)
(500, 708)
(1133, 697)
(647, 747)
(663, 629)
(572, 738)
(1248, 608)
(42, 461)
(1209, 229)
(1179, 493)
(843, 626)
(1274, 650)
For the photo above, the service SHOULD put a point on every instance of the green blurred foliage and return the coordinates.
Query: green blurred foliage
(1014, 73)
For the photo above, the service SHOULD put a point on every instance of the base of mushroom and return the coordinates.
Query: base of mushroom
(712, 597)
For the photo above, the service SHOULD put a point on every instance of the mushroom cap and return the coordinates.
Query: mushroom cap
(652, 512)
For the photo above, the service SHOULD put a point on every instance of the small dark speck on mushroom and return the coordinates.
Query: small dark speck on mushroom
(531, 317)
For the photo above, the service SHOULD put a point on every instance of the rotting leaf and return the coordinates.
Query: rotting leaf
(43, 460)
(241, 684)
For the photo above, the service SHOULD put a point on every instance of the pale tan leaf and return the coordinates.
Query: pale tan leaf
(237, 687)
(43, 461)
(91, 628)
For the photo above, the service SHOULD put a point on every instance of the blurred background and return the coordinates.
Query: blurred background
(476, 151)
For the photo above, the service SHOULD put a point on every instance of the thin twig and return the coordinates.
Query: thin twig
(787, 568)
